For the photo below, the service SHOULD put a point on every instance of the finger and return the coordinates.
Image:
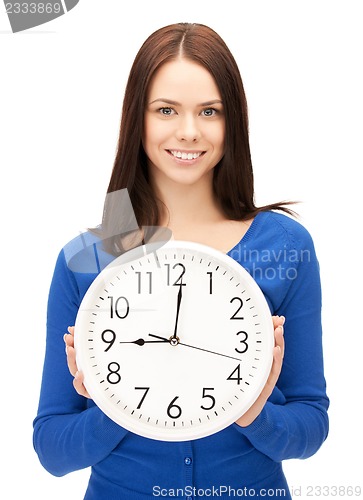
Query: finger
(274, 373)
(276, 366)
(69, 340)
(72, 364)
(78, 384)
(278, 356)
(69, 337)
(71, 360)
(279, 339)
(278, 321)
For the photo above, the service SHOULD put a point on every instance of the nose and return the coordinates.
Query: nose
(188, 129)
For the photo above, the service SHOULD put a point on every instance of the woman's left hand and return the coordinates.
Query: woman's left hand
(72, 365)
(278, 355)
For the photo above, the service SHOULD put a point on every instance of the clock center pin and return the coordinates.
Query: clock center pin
(174, 341)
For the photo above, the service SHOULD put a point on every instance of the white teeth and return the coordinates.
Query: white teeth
(185, 156)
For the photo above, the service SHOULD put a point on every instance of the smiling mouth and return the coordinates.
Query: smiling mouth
(184, 155)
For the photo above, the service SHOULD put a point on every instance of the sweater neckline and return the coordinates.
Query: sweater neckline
(250, 231)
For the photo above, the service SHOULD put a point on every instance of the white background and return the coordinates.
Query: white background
(61, 90)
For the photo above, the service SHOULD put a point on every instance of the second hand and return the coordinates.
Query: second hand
(194, 347)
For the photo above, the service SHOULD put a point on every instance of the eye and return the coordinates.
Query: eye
(209, 112)
(166, 111)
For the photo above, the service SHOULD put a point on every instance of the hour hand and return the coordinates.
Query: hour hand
(142, 341)
(161, 339)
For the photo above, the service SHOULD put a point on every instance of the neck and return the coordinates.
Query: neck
(187, 205)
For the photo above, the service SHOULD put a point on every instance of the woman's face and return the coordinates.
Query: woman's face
(184, 125)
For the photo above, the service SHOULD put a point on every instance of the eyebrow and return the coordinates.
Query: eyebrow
(175, 103)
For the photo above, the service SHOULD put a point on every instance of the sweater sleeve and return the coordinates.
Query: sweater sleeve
(70, 432)
(294, 421)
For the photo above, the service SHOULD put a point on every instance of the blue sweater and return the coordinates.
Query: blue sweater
(71, 432)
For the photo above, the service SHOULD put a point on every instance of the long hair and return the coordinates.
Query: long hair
(233, 176)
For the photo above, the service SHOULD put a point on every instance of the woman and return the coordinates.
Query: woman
(184, 157)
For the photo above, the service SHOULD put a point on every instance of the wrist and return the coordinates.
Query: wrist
(250, 416)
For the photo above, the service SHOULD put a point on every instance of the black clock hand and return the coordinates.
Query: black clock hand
(142, 341)
(211, 352)
(177, 310)
(164, 339)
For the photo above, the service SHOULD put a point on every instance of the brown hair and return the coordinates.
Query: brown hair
(233, 176)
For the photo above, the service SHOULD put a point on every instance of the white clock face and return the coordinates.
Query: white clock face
(175, 344)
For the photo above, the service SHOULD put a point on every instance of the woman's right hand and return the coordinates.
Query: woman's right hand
(72, 365)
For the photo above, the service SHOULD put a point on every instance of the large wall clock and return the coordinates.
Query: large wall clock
(175, 343)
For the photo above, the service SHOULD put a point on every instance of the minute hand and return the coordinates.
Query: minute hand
(179, 298)
(198, 348)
